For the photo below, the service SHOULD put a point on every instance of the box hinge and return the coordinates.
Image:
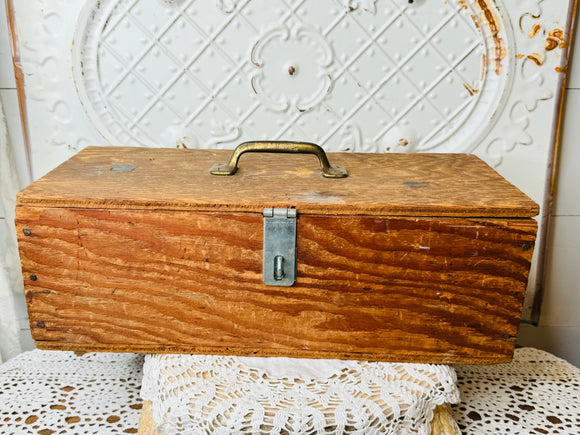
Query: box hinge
(279, 262)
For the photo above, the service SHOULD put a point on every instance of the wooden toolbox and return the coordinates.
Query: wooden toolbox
(411, 257)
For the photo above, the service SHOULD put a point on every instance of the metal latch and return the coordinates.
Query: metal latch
(279, 263)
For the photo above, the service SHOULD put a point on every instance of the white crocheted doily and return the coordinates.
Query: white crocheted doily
(44, 392)
(224, 394)
(537, 393)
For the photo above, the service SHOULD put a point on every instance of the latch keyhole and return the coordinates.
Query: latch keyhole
(278, 267)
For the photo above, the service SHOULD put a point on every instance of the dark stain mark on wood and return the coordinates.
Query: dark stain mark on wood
(416, 184)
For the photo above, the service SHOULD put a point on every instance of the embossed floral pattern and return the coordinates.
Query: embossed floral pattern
(205, 96)
(340, 74)
(292, 68)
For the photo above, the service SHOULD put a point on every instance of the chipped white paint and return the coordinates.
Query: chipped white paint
(352, 75)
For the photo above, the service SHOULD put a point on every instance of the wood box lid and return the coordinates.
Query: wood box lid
(378, 184)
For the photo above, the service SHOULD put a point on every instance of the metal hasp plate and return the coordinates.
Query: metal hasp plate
(279, 264)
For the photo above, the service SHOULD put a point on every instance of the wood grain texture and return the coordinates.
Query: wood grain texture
(378, 184)
(439, 290)
(443, 422)
(147, 424)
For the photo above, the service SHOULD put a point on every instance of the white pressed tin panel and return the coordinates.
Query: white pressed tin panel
(475, 76)
(382, 76)
(213, 75)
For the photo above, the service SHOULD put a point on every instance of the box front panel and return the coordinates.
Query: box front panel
(395, 289)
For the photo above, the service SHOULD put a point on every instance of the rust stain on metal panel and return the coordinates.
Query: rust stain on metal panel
(470, 89)
(534, 31)
(557, 33)
(537, 58)
(551, 43)
(555, 39)
(494, 23)
(252, 54)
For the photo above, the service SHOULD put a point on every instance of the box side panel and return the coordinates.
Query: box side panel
(395, 289)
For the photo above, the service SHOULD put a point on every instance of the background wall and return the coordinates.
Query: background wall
(13, 176)
(559, 330)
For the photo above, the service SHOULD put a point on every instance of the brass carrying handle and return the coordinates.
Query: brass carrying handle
(230, 168)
